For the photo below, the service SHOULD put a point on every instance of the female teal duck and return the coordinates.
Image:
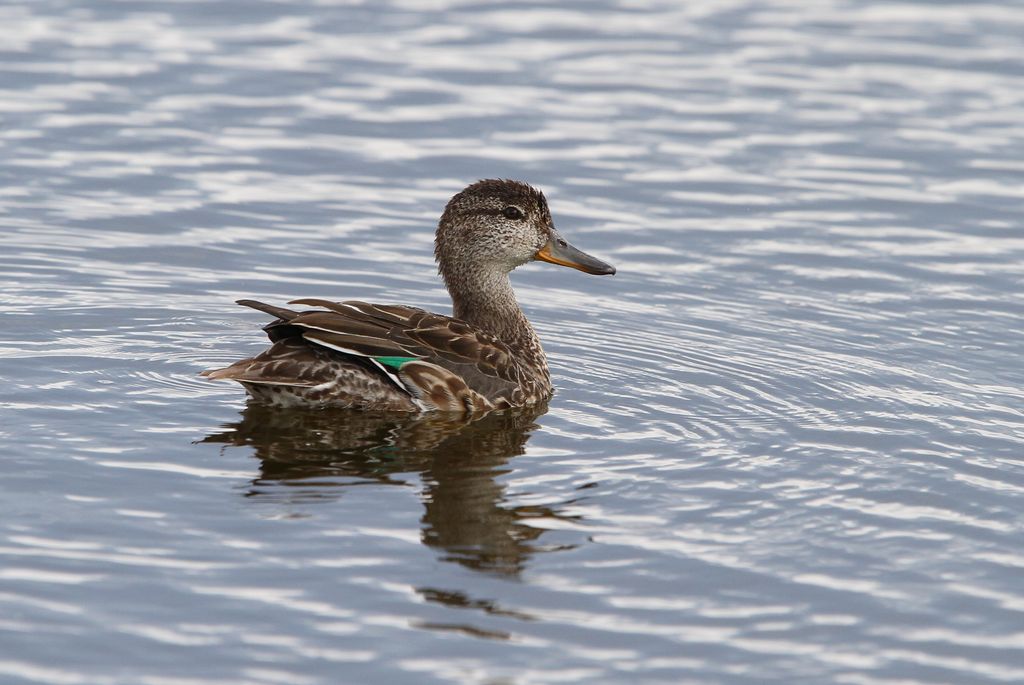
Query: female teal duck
(392, 357)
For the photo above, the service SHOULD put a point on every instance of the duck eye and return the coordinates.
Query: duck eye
(513, 212)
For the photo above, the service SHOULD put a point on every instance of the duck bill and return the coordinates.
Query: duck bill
(559, 251)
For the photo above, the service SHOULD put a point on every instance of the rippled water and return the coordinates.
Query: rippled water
(787, 441)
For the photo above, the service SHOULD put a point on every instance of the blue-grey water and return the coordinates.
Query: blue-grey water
(787, 444)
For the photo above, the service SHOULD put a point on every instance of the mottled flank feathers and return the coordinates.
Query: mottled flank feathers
(329, 356)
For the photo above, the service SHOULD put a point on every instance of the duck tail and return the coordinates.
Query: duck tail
(279, 312)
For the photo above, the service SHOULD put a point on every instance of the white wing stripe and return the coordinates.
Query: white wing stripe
(388, 373)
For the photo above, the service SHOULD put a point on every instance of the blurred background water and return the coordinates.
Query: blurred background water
(788, 440)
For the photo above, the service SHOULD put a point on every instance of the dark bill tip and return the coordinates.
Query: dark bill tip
(559, 251)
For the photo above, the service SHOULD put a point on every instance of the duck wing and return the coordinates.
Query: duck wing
(443, 363)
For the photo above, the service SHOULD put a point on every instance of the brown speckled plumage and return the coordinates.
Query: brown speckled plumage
(392, 357)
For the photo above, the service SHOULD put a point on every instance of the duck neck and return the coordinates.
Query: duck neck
(486, 300)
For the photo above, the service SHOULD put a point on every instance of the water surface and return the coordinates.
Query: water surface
(786, 443)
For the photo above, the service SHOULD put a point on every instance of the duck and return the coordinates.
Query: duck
(390, 357)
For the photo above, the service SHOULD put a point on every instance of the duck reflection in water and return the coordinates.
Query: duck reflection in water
(458, 459)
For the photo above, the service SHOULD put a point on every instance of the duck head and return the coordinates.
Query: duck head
(496, 225)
